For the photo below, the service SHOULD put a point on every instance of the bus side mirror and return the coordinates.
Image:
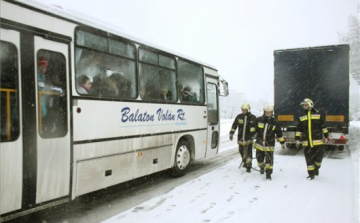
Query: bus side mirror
(224, 87)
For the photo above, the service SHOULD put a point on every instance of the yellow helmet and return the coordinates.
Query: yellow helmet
(308, 102)
(268, 108)
(245, 106)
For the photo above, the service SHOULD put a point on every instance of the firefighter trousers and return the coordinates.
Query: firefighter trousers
(246, 154)
(313, 158)
(268, 157)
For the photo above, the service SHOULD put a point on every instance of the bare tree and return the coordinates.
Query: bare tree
(352, 37)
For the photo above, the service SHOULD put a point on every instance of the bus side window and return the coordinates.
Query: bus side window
(157, 76)
(191, 82)
(109, 63)
(52, 101)
(157, 83)
(9, 113)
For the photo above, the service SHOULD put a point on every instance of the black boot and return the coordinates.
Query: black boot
(248, 168)
(316, 171)
(268, 176)
(262, 170)
(310, 177)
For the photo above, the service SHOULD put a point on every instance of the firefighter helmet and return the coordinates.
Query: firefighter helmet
(268, 108)
(245, 106)
(308, 102)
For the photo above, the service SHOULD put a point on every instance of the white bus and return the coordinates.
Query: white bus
(85, 107)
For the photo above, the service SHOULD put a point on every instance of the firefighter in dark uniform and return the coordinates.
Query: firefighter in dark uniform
(309, 132)
(244, 122)
(266, 128)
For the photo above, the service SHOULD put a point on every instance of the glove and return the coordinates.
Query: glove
(297, 143)
(283, 146)
(231, 137)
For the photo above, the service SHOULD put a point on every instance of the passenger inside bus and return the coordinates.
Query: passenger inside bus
(165, 94)
(149, 91)
(188, 95)
(52, 103)
(83, 84)
(122, 84)
(43, 64)
(103, 86)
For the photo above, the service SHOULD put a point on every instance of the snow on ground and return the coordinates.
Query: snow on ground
(229, 194)
(354, 148)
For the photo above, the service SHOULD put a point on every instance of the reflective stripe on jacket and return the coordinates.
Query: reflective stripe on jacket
(266, 130)
(311, 129)
(246, 130)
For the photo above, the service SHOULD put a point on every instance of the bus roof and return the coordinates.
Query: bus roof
(80, 18)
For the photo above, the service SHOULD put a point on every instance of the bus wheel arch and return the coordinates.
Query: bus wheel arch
(191, 142)
(184, 153)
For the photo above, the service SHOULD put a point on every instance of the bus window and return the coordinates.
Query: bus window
(9, 92)
(52, 101)
(212, 104)
(191, 81)
(110, 68)
(157, 76)
(122, 49)
(92, 41)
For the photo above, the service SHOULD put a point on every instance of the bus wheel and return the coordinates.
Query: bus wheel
(182, 159)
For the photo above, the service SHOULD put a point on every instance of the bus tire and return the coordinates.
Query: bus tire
(182, 159)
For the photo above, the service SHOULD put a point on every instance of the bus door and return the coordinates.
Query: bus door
(212, 117)
(11, 156)
(51, 61)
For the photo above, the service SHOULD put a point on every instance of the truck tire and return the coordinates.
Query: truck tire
(291, 145)
(330, 147)
(182, 159)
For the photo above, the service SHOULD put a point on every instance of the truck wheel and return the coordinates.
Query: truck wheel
(331, 147)
(182, 159)
(291, 145)
(341, 148)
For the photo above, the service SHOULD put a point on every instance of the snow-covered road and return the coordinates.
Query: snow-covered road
(229, 194)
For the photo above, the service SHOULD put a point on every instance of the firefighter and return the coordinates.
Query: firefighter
(309, 132)
(266, 127)
(244, 122)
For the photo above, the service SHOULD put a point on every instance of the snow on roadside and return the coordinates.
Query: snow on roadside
(354, 148)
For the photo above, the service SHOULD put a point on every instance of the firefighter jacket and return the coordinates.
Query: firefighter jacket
(311, 128)
(266, 128)
(245, 125)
